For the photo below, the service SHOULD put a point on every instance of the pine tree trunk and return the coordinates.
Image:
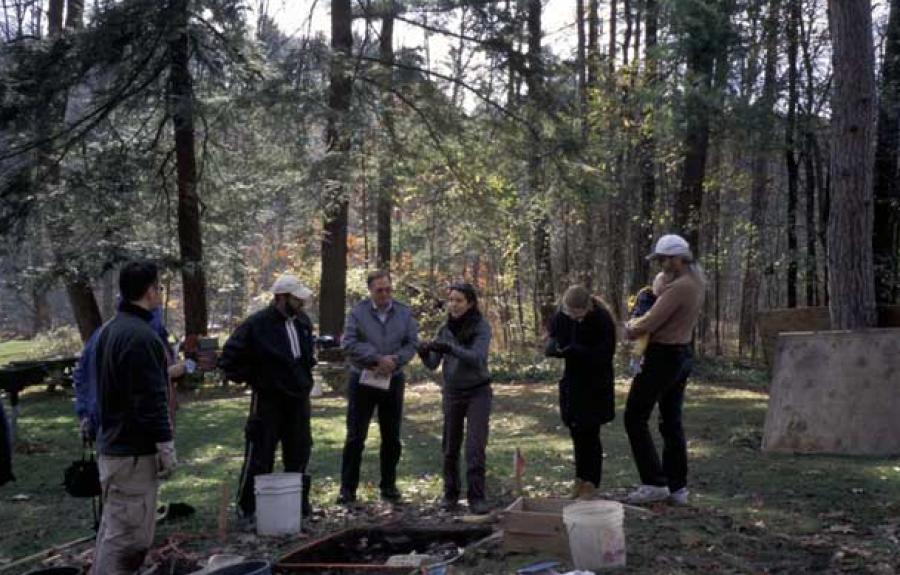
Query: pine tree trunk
(790, 152)
(544, 293)
(853, 108)
(593, 51)
(886, 237)
(78, 287)
(643, 227)
(759, 184)
(84, 305)
(386, 185)
(74, 14)
(811, 171)
(181, 108)
(700, 59)
(334, 241)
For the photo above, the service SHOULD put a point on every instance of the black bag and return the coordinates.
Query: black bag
(82, 477)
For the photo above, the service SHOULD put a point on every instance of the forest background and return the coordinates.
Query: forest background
(518, 144)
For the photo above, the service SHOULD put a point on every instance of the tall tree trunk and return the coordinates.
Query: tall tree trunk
(77, 283)
(593, 51)
(386, 185)
(810, 170)
(709, 237)
(824, 214)
(701, 22)
(334, 241)
(626, 37)
(544, 293)
(581, 65)
(74, 14)
(614, 212)
(853, 108)
(760, 183)
(638, 16)
(643, 228)
(181, 108)
(790, 152)
(886, 237)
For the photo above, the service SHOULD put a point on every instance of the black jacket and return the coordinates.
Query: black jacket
(259, 353)
(132, 385)
(586, 391)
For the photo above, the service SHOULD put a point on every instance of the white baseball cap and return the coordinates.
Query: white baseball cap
(289, 284)
(671, 245)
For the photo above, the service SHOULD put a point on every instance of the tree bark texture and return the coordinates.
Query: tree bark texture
(759, 183)
(790, 151)
(386, 185)
(181, 108)
(886, 237)
(850, 220)
(701, 25)
(334, 241)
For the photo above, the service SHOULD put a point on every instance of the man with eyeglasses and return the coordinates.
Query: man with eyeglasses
(272, 351)
(135, 434)
(380, 338)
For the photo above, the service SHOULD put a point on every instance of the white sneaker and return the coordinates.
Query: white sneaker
(648, 494)
(679, 497)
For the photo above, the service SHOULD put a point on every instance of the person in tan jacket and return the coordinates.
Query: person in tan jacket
(667, 364)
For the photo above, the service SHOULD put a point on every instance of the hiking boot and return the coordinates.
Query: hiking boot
(648, 494)
(587, 490)
(679, 497)
(450, 504)
(391, 495)
(576, 488)
(346, 498)
(479, 507)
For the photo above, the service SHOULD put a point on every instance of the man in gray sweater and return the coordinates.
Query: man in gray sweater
(380, 337)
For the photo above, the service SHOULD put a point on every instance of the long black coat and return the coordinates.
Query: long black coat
(586, 394)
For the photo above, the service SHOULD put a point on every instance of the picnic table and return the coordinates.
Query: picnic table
(17, 375)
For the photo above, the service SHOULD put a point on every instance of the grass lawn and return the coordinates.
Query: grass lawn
(751, 513)
(14, 350)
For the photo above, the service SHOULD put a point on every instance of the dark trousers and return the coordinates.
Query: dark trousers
(662, 381)
(469, 409)
(588, 452)
(6, 473)
(273, 418)
(362, 403)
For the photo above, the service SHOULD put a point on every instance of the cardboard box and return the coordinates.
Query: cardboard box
(536, 526)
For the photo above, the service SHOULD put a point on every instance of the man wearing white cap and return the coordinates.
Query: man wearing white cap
(272, 351)
(666, 366)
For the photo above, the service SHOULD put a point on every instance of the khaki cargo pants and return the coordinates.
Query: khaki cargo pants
(129, 513)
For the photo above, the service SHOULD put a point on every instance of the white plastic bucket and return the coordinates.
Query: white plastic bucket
(596, 534)
(278, 503)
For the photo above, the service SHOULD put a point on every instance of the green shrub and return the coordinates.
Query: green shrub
(59, 342)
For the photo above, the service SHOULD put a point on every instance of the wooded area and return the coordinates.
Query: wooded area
(206, 135)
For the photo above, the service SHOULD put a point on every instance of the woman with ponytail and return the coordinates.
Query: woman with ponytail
(462, 344)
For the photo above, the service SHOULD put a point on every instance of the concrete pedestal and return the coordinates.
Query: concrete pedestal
(835, 392)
